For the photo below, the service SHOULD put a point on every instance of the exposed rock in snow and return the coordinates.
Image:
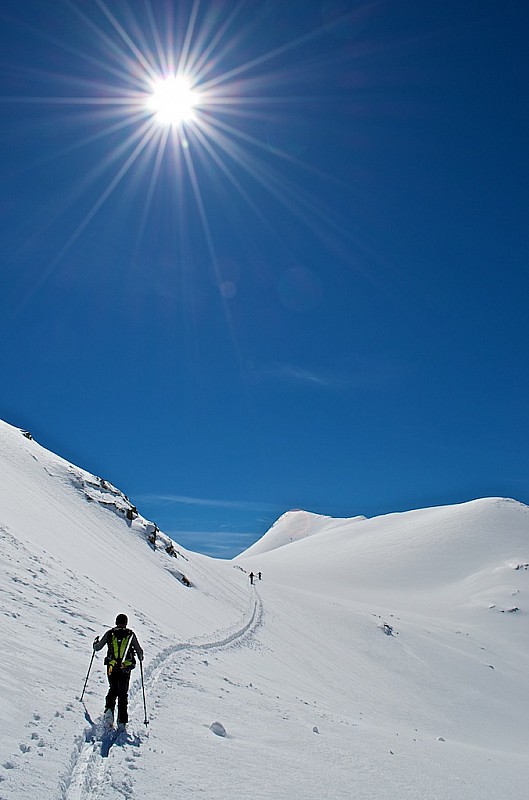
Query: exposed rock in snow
(218, 729)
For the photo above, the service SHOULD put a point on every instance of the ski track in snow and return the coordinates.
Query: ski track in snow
(90, 771)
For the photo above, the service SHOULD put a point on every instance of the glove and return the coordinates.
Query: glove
(96, 641)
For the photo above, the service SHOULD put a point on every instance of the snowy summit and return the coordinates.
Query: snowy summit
(378, 659)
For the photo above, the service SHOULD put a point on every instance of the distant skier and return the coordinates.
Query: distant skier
(251, 578)
(122, 647)
(259, 575)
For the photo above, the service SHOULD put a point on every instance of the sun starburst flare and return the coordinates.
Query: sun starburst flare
(173, 100)
(179, 104)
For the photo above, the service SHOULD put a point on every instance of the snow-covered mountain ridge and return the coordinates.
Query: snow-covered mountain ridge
(380, 658)
(293, 526)
(473, 549)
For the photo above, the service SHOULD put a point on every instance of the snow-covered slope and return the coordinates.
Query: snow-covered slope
(419, 621)
(376, 659)
(452, 558)
(70, 561)
(293, 526)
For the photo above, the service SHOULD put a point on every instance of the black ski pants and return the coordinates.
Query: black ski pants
(118, 681)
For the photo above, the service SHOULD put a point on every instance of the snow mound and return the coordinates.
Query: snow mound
(294, 526)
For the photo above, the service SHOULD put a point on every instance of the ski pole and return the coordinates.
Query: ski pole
(145, 721)
(87, 674)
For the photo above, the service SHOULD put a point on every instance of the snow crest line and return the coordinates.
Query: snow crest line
(87, 770)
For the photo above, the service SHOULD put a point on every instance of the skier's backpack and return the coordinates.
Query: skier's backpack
(120, 655)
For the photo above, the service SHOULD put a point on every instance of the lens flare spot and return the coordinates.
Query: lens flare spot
(228, 289)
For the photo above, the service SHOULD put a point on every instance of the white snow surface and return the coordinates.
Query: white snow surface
(293, 526)
(376, 659)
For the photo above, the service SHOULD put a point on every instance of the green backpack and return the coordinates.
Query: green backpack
(119, 652)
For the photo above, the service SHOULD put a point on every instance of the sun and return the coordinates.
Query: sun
(173, 100)
(181, 96)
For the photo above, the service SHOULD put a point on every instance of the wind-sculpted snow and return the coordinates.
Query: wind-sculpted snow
(378, 659)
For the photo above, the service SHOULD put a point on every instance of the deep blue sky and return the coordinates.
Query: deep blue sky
(320, 302)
